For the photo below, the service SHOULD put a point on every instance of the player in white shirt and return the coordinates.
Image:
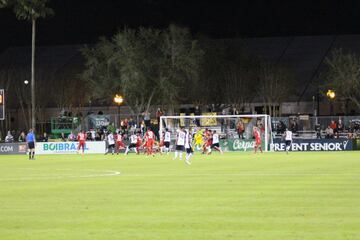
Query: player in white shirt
(167, 140)
(110, 143)
(216, 142)
(133, 144)
(188, 147)
(180, 143)
(288, 140)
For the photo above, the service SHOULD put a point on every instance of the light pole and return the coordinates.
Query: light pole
(331, 95)
(118, 99)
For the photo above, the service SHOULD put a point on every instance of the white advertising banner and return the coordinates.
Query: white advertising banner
(68, 147)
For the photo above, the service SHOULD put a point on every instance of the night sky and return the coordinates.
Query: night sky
(79, 21)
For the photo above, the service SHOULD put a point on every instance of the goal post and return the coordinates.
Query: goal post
(233, 129)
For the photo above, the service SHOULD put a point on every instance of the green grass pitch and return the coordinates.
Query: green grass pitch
(230, 196)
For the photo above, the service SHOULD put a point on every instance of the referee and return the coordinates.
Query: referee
(30, 139)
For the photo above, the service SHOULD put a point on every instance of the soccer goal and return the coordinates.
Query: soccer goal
(235, 131)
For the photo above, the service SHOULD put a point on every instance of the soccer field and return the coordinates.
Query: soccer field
(230, 196)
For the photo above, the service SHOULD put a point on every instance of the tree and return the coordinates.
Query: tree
(101, 72)
(228, 74)
(30, 11)
(275, 85)
(232, 77)
(148, 66)
(343, 75)
(16, 75)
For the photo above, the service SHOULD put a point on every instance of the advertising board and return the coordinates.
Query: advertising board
(12, 148)
(68, 147)
(314, 145)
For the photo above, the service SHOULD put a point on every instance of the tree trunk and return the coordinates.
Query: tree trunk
(150, 99)
(33, 105)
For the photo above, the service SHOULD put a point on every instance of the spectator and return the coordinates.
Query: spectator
(62, 136)
(223, 121)
(340, 126)
(329, 132)
(9, 138)
(71, 137)
(98, 136)
(197, 112)
(240, 129)
(280, 128)
(22, 137)
(92, 134)
(147, 119)
(124, 125)
(132, 123)
(234, 111)
(142, 128)
(294, 126)
(45, 137)
(333, 126)
(318, 131)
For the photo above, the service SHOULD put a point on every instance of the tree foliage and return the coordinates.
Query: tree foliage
(101, 72)
(228, 75)
(343, 75)
(28, 10)
(148, 66)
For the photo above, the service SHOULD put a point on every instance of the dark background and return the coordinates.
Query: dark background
(79, 21)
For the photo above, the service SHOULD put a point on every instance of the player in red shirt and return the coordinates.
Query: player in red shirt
(209, 142)
(150, 139)
(139, 142)
(81, 137)
(205, 137)
(119, 142)
(256, 133)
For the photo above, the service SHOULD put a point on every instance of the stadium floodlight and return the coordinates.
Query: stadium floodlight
(118, 99)
(225, 125)
(331, 94)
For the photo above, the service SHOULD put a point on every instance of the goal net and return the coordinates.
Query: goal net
(235, 131)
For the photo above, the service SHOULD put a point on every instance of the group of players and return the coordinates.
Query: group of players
(186, 140)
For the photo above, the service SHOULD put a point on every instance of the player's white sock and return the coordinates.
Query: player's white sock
(180, 154)
(127, 150)
(187, 159)
(287, 148)
(176, 154)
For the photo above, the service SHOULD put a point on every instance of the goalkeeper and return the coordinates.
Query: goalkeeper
(198, 139)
